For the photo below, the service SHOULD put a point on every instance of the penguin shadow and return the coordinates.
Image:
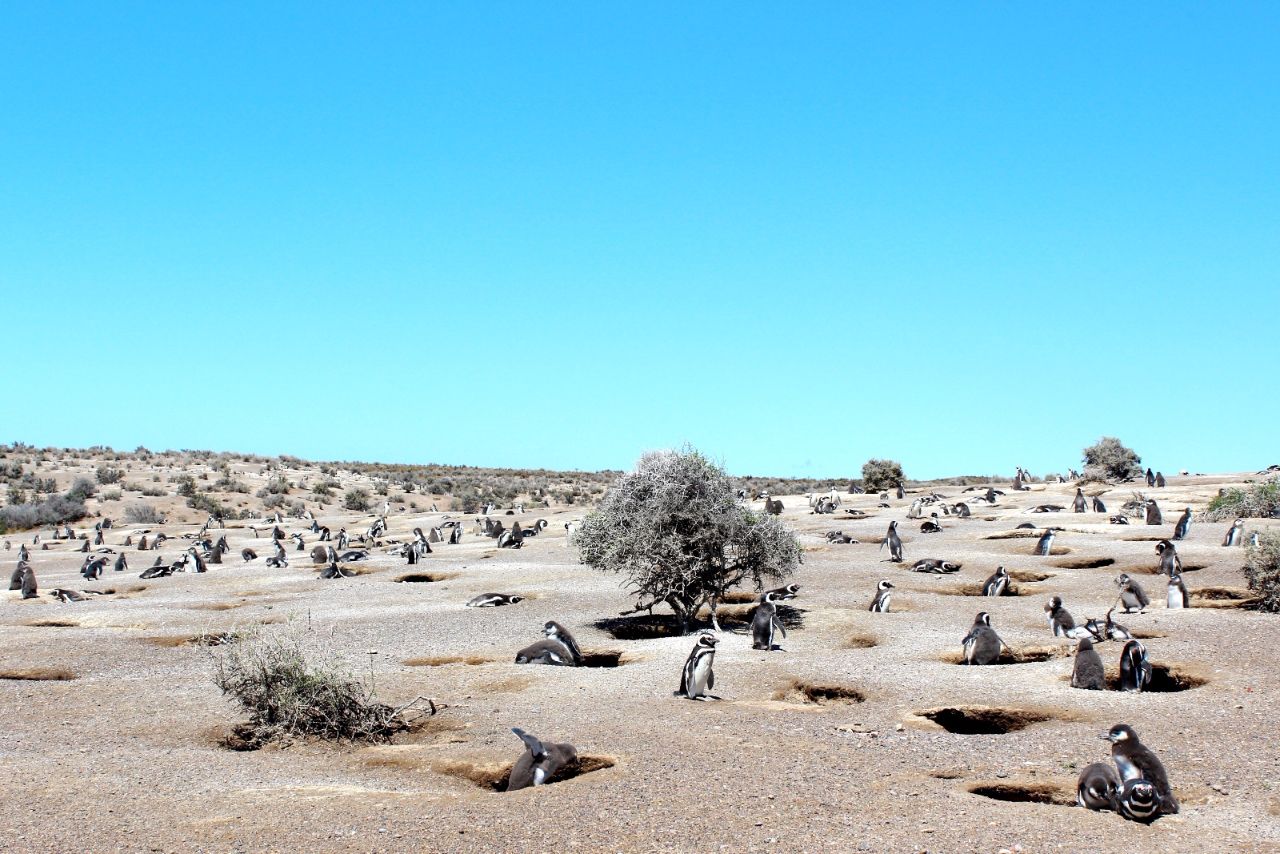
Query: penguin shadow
(493, 777)
(732, 618)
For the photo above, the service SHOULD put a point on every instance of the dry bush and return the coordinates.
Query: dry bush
(878, 475)
(1108, 459)
(1258, 501)
(141, 514)
(1262, 570)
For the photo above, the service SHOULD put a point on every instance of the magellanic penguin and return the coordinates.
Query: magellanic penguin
(539, 762)
(884, 594)
(332, 568)
(894, 542)
(1184, 522)
(1080, 505)
(1177, 596)
(1135, 761)
(494, 600)
(1061, 622)
(1107, 629)
(764, 623)
(789, 591)
(15, 580)
(982, 645)
(1098, 787)
(1154, 516)
(1135, 668)
(1045, 544)
(559, 648)
(997, 584)
(1235, 534)
(937, 566)
(28, 585)
(1170, 562)
(1132, 596)
(1089, 672)
(698, 678)
(1138, 800)
(248, 555)
(1098, 506)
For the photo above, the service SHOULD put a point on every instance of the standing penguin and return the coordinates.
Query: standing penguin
(982, 645)
(1132, 596)
(1061, 623)
(122, 563)
(1098, 787)
(1135, 668)
(1154, 516)
(894, 542)
(1184, 522)
(15, 580)
(1135, 761)
(1045, 544)
(1080, 505)
(1160, 482)
(1170, 563)
(1177, 596)
(539, 762)
(997, 584)
(765, 623)
(1235, 534)
(884, 593)
(1098, 506)
(698, 678)
(1089, 672)
(901, 493)
(29, 590)
(1151, 479)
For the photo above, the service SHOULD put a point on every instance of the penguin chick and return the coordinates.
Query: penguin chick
(1098, 787)
(539, 762)
(1089, 672)
(1132, 596)
(559, 648)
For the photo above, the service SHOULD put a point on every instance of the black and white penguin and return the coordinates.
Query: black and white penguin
(1170, 562)
(1135, 668)
(559, 648)
(1154, 516)
(195, 561)
(937, 566)
(248, 555)
(1138, 800)
(1119, 520)
(1061, 622)
(931, 526)
(1103, 630)
(1151, 479)
(1160, 481)
(1177, 596)
(997, 584)
(494, 600)
(1098, 506)
(297, 538)
(962, 510)
(332, 568)
(789, 591)
(1045, 544)
(93, 567)
(1184, 522)
(894, 542)
(281, 559)
(1089, 672)
(1135, 761)
(901, 492)
(1080, 505)
(27, 584)
(122, 563)
(539, 762)
(982, 645)
(1098, 787)
(1132, 596)
(765, 623)
(1235, 534)
(697, 678)
(884, 595)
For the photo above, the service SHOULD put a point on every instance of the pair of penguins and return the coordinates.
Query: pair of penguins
(697, 678)
(1135, 786)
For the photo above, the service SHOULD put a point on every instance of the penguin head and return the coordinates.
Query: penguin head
(708, 640)
(1054, 604)
(982, 618)
(514, 599)
(1122, 579)
(1084, 645)
(1001, 571)
(1119, 733)
(1175, 580)
(885, 584)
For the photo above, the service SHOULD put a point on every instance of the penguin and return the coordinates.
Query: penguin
(894, 542)
(15, 580)
(1170, 562)
(196, 561)
(1089, 672)
(901, 492)
(1138, 801)
(1160, 481)
(1135, 761)
(1135, 668)
(789, 591)
(248, 555)
(1025, 526)
(935, 566)
(1060, 621)
(297, 538)
(884, 594)
(1177, 596)
(962, 510)
(23, 554)
(1184, 522)
(280, 559)
(931, 526)
(1235, 534)
(92, 568)
(539, 762)
(494, 600)
(1131, 594)
(64, 595)
(1154, 516)
(1080, 505)
(982, 645)
(28, 585)
(1119, 520)
(698, 678)
(764, 623)
(1098, 506)
(1098, 787)
(559, 648)
(997, 584)
(122, 563)
(1045, 545)
(1151, 479)
(1103, 630)
(333, 569)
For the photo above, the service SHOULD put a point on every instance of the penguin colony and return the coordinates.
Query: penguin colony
(1134, 784)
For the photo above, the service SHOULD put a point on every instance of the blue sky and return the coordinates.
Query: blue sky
(797, 236)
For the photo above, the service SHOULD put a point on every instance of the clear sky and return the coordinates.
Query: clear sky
(797, 235)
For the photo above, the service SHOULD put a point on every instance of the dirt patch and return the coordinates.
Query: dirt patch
(1223, 597)
(976, 590)
(424, 577)
(809, 693)
(983, 720)
(1030, 576)
(38, 674)
(56, 623)
(442, 660)
(1152, 538)
(202, 639)
(1026, 655)
(1031, 793)
(493, 777)
(215, 606)
(1085, 563)
(861, 641)
(1013, 535)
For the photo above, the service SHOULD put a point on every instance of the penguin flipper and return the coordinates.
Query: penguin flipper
(711, 679)
(781, 627)
(535, 746)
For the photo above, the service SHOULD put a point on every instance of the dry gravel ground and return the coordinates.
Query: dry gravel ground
(126, 755)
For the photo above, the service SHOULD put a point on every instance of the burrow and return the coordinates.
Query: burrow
(1085, 563)
(818, 694)
(494, 777)
(424, 577)
(1026, 655)
(983, 720)
(1032, 793)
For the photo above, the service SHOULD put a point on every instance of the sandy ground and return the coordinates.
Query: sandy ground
(126, 755)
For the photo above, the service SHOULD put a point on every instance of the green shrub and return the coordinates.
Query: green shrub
(879, 475)
(1256, 501)
(107, 475)
(82, 489)
(1262, 570)
(1109, 459)
(356, 499)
